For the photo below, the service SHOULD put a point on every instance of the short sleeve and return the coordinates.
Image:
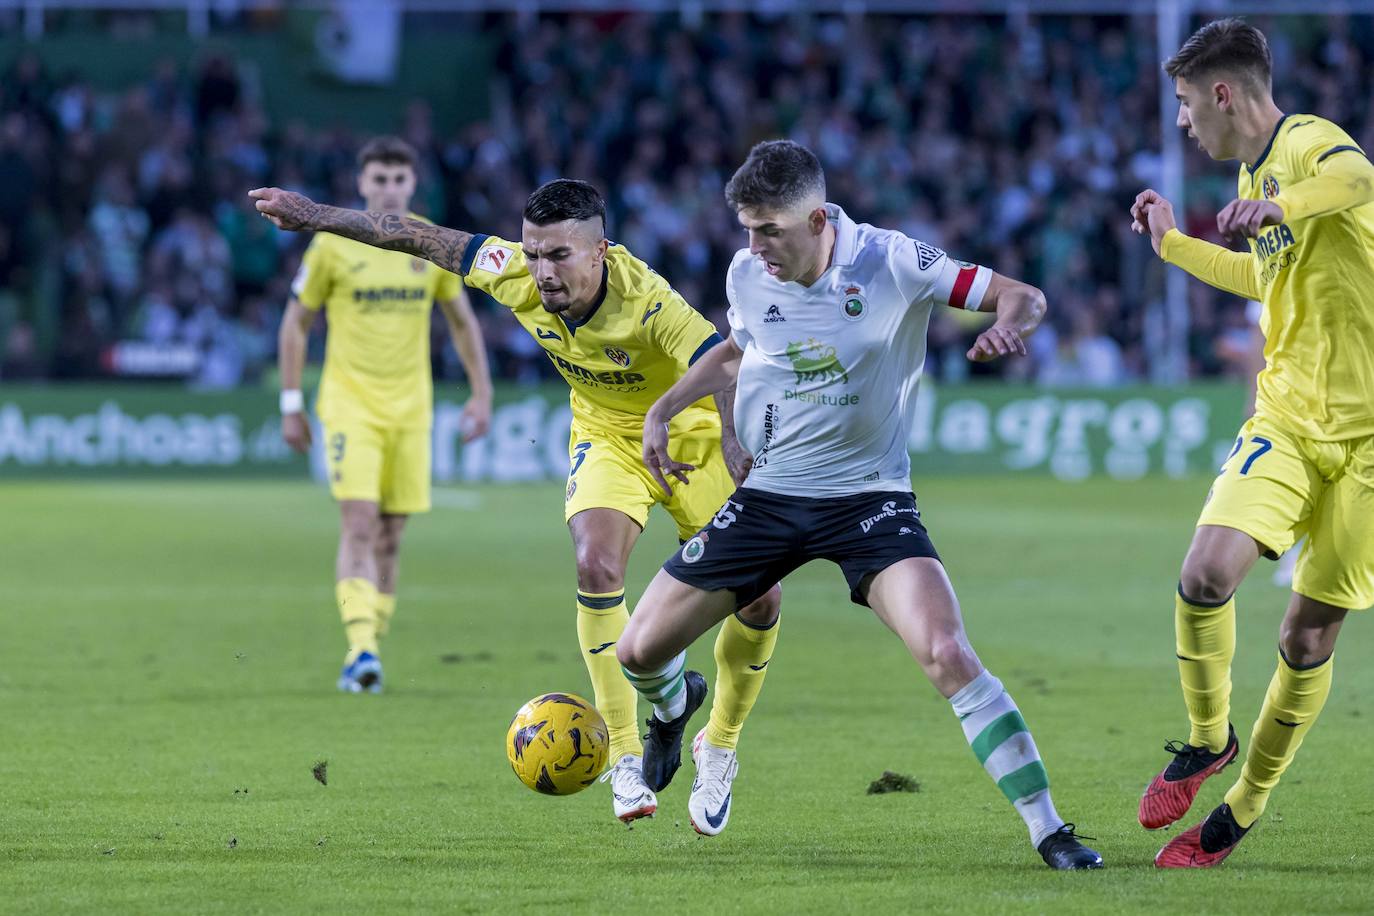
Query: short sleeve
(498, 268)
(738, 334)
(448, 287)
(925, 273)
(313, 282)
(1312, 141)
(680, 331)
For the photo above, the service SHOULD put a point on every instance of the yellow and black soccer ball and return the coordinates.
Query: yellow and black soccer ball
(557, 744)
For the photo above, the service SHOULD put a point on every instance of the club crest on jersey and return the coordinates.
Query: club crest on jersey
(1271, 187)
(854, 305)
(773, 315)
(617, 356)
(418, 265)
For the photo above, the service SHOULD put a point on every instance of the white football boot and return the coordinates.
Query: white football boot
(631, 797)
(709, 805)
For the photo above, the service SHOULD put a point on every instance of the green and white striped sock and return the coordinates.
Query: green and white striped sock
(665, 689)
(1003, 745)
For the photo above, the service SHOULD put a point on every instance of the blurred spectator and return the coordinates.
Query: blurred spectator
(1013, 141)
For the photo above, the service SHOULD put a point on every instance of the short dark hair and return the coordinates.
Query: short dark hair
(565, 198)
(1223, 46)
(777, 175)
(387, 151)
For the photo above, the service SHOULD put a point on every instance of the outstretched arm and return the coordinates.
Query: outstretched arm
(716, 371)
(1231, 271)
(295, 212)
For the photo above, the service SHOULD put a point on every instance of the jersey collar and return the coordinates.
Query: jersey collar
(1267, 147)
(846, 236)
(572, 326)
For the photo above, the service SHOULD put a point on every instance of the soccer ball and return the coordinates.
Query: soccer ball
(557, 744)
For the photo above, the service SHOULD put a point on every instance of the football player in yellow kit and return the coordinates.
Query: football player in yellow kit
(376, 395)
(621, 336)
(1304, 462)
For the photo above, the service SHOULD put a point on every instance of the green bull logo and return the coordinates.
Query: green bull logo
(814, 361)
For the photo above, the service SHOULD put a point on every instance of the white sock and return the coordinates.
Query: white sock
(665, 689)
(999, 738)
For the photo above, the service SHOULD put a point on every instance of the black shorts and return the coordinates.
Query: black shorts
(758, 537)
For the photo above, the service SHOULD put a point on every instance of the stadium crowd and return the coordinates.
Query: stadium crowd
(1018, 144)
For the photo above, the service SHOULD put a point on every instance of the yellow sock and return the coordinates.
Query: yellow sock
(386, 609)
(601, 618)
(357, 600)
(1206, 641)
(742, 654)
(1295, 698)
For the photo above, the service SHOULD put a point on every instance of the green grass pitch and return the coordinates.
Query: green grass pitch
(170, 649)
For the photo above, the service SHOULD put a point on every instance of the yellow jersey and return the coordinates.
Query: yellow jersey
(1316, 281)
(376, 364)
(619, 358)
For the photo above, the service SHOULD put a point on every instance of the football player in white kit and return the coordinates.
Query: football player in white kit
(828, 328)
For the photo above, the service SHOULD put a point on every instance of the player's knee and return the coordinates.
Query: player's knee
(1303, 646)
(949, 659)
(598, 572)
(763, 612)
(1205, 581)
(628, 654)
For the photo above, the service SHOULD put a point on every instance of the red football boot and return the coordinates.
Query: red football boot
(1171, 793)
(1205, 845)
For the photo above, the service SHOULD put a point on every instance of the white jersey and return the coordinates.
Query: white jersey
(829, 369)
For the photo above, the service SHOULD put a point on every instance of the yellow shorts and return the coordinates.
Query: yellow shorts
(1276, 487)
(388, 466)
(606, 471)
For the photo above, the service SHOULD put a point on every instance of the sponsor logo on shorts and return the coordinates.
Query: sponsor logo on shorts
(693, 550)
(889, 510)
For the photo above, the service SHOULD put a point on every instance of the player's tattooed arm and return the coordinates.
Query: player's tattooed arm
(296, 212)
(737, 457)
(1020, 308)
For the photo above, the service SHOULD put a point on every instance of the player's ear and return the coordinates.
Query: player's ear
(816, 220)
(1222, 95)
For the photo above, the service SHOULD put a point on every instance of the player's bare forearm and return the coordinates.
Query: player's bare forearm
(444, 247)
(1020, 307)
(737, 457)
(466, 333)
(292, 337)
(295, 212)
(714, 372)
